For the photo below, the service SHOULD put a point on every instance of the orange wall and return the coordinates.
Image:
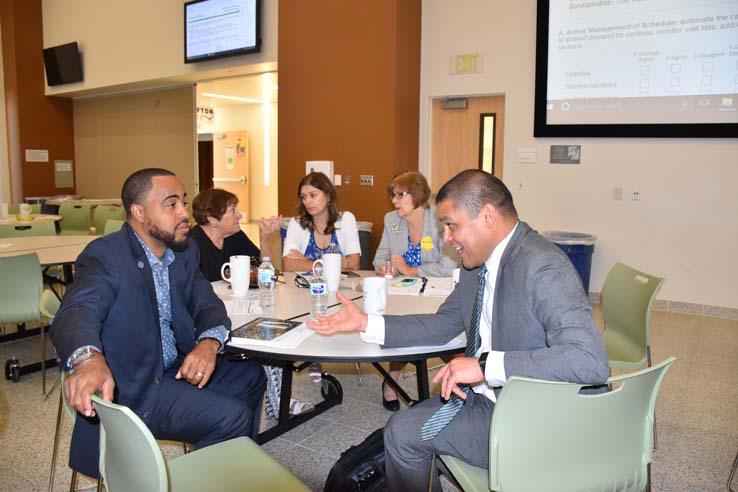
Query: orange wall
(349, 82)
(34, 121)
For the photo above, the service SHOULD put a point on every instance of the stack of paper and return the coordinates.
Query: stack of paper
(405, 287)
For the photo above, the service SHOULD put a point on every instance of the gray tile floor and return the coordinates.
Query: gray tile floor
(697, 415)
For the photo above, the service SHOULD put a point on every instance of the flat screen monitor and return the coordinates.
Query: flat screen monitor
(218, 28)
(636, 68)
(63, 64)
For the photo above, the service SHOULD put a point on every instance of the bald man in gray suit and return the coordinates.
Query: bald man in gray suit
(524, 311)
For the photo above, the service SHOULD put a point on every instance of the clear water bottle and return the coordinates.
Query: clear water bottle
(318, 292)
(333, 248)
(266, 279)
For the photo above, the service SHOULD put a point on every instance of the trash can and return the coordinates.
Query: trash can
(579, 248)
(365, 243)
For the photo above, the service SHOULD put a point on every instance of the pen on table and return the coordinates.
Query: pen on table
(425, 281)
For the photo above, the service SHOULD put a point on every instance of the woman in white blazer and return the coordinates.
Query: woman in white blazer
(319, 224)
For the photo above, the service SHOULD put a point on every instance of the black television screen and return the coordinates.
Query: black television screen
(63, 64)
(634, 68)
(218, 28)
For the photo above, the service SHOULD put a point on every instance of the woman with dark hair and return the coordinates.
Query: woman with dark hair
(218, 235)
(319, 226)
(412, 241)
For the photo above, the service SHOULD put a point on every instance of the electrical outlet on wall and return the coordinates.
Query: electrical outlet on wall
(366, 180)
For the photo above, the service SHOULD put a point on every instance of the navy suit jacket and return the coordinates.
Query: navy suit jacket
(112, 305)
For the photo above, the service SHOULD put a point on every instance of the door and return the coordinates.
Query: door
(458, 138)
(231, 166)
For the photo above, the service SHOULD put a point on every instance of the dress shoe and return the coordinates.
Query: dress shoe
(391, 405)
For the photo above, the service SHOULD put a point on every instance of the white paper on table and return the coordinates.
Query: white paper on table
(289, 340)
(458, 341)
(242, 307)
(439, 287)
(5, 245)
(396, 287)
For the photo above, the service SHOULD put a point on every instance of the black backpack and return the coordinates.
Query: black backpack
(360, 468)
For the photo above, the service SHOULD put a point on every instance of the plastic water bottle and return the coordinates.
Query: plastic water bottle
(332, 248)
(318, 293)
(266, 279)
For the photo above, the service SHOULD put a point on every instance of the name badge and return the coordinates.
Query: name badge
(426, 243)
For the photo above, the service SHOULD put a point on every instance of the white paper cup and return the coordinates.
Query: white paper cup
(24, 210)
(332, 270)
(375, 295)
(240, 266)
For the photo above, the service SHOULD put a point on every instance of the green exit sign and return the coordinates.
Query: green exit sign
(466, 63)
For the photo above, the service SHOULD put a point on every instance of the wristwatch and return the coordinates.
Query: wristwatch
(80, 355)
(483, 360)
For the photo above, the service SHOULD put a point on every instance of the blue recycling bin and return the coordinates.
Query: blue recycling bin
(579, 248)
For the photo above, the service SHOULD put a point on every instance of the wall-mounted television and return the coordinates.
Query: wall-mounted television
(219, 28)
(656, 68)
(63, 64)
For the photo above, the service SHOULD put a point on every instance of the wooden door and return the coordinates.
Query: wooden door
(456, 137)
(231, 166)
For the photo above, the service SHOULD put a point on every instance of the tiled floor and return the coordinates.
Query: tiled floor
(697, 412)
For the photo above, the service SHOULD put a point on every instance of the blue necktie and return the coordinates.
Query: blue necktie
(439, 420)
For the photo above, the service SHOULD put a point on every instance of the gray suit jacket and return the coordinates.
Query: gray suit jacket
(438, 261)
(542, 319)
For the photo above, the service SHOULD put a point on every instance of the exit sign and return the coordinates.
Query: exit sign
(467, 63)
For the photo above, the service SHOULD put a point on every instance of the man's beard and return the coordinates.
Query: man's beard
(168, 239)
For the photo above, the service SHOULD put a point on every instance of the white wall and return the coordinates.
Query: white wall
(140, 44)
(685, 226)
(250, 117)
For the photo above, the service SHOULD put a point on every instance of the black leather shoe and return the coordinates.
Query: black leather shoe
(391, 405)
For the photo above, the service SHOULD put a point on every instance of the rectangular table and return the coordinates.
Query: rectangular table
(293, 303)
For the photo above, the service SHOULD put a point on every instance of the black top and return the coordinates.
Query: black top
(212, 258)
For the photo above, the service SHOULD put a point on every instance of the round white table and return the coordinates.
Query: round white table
(294, 303)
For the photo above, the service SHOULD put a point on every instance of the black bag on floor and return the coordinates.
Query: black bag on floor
(360, 468)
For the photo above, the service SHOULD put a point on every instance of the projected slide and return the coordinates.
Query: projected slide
(219, 26)
(642, 61)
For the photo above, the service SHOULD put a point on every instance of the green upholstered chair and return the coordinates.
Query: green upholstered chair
(627, 298)
(113, 225)
(20, 292)
(103, 213)
(13, 208)
(75, 219)
(545, 435)
(131, 460)
(32, 228)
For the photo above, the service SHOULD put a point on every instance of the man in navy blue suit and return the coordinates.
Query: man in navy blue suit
(143, 326)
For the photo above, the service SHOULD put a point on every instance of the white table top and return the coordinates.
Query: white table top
(51, 250)
(345, 347)
(87, 201)
(13, 219)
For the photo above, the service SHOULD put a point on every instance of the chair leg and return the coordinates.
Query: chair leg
(73, 481)
(358, 373)
(43, 357)
(100, 484)
(732, 474)
(648, 479)
(56, 443)
(184, 447)
(655, 432)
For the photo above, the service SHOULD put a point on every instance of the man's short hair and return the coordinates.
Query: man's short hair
(472, 189)
(138, 184)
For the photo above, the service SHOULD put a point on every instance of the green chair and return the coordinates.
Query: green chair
(545, 435)
(113, 225)
(32, 228)
(131, 460)
(75, 219)
(21, 285)
(13, 208)
(627, 298)
(103, 213)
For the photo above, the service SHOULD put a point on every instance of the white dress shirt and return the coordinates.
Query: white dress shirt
(494, 373)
